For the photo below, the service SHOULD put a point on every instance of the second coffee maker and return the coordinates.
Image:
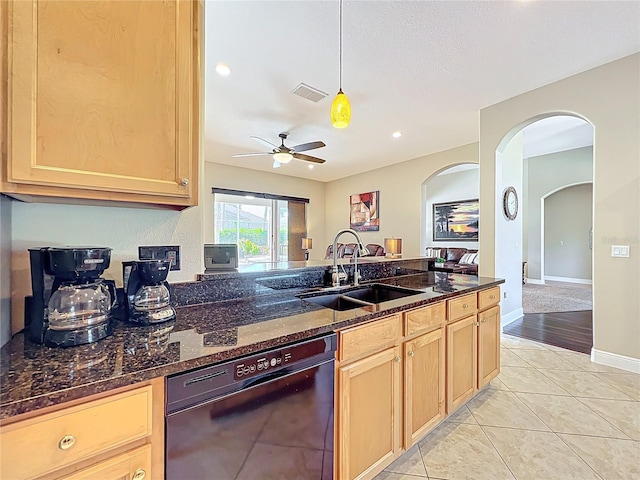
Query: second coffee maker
(148, 294)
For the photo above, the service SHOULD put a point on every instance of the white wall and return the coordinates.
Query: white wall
(122, 229)
(5, 270)
(608, 97)
(402, 210)
(545, 174)
(237, 178)
(449, 187)
(508, 244)
(567, 221)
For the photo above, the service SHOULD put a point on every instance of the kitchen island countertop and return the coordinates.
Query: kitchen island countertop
(34, 376)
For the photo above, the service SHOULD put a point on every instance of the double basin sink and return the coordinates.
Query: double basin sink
(358, 297)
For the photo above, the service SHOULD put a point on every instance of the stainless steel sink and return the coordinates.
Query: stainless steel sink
(336, 301)
(379, 292)
(360, 297)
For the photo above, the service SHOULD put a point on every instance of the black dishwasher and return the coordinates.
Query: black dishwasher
(265, 416)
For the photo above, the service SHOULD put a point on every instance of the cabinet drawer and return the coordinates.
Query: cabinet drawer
(424, 319)
(62, 438)
(488, 298)
(368, 338)
(461, 307)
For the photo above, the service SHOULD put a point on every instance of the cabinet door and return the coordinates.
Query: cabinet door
(369, 414)
(424, 385)
(103, 100)
(132, 465)
(461, 362)
(488, 345)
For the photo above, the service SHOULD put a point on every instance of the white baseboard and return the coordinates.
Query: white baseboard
(535, 281)
(584, 281)
(614, 360)
(511, 317)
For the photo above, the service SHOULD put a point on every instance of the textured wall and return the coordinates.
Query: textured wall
(567, 221)
(569, 167)
(608, 97)
(402, 207)
(449, 188)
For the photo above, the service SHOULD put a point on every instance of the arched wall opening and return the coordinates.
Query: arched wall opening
(512, 245)
(454, 183)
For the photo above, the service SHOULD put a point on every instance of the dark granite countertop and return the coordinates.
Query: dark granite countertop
(34, 376)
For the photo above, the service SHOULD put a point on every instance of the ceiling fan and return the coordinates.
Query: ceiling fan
(283, 154)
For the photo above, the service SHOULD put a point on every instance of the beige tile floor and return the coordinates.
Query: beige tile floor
(551, 414)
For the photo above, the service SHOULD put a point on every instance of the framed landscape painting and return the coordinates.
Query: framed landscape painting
(364, 212)
(456, 220)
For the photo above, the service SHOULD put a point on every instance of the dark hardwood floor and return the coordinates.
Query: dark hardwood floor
(570, 330)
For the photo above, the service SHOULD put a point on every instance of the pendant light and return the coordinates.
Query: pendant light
(340, 108)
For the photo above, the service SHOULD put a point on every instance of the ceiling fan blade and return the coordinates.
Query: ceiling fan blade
(264, 142)
(251, 154)
(308, 146)
(308, 158)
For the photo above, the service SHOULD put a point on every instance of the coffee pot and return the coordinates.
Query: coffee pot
(71, 304)
(148, 294)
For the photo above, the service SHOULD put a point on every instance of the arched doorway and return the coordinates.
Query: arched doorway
(535, 160)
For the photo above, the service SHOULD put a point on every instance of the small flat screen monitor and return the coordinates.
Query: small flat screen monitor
(220, 256)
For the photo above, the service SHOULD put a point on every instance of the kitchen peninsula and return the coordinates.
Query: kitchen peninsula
(233, 314)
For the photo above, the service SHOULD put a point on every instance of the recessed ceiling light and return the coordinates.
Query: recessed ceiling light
(222, 69)
(396, 134)
(311, 167)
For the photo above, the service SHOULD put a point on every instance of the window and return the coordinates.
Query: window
(259, 226)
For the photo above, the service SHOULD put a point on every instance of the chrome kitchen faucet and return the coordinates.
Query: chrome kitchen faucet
(359, 250)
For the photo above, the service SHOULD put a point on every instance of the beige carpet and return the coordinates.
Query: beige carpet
(566, 297)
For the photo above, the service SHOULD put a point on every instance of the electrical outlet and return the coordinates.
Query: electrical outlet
(162, 252)
(505, 294)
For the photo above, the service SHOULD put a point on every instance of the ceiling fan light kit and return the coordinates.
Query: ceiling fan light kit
(340, 108)
(283, 154)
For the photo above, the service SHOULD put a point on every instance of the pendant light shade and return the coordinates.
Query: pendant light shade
(340, 111)
(340, 108)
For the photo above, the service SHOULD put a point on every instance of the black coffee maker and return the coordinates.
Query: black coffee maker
(71, 304)
(147, 293)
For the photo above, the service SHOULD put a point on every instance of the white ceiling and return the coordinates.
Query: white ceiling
(425, 68)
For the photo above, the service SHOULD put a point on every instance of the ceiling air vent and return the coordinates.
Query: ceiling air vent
(305, 91)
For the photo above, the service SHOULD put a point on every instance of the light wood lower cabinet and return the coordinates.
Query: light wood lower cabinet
(488, 345)
(424, 380)
(368, 414)
(462, 361)
(133, 465)
(117, 436)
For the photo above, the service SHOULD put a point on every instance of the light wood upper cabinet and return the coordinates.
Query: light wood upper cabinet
(103, 101)
(424, 383)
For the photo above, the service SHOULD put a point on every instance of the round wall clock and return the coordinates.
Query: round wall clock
(510, 203)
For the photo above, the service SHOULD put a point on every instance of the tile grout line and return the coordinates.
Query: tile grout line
(579, 456)
(497, 451)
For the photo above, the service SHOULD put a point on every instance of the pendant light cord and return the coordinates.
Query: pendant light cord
(340, 45)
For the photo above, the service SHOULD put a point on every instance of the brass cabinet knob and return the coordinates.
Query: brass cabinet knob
(483, 321)
(492, 297)
(464, 305)
(398, 359)
(139, 474)
(412, 353)
(66, 442)
(184, 181)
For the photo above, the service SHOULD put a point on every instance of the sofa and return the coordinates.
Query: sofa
(345, 250)
(456, 257)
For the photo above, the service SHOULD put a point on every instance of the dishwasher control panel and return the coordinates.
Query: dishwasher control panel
(258, 365)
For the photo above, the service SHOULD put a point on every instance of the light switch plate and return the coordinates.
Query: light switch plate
(621, 251)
